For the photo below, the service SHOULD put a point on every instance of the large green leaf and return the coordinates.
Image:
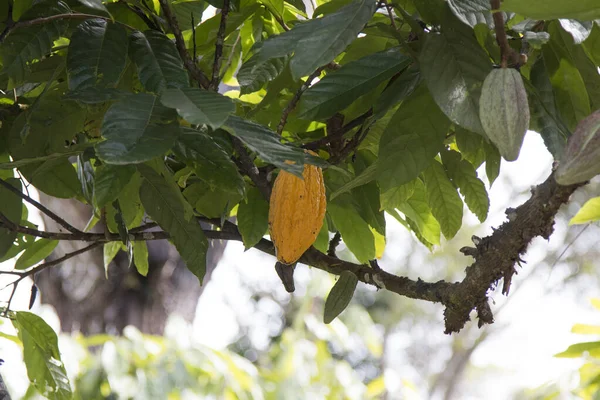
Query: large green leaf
(158, 63)
(211, 202)
(553, 9)
(366, 176)
(354, 230)
(454, 66)
(464, 176)
(110, 180)
(397, 91)
(253, 217)
(570, 92)
(267, 145)
(166, 205)
(473, 12)
(395, 197)
(446, 205)
(318, 41)
(35, 253)
(417, 210)
(411, 140)
(137, 129)
(56, 178)
(253, 75)
(199, 107)
(45, 369)
(339, 89)
(183, 11)
(11, 207)
(211, 163)
(97, 54)
(34, 42)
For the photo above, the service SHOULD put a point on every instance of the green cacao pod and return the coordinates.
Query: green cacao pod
(581, 159)
(504, 111)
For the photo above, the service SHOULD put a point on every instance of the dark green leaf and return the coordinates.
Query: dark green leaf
(464, 176)
(446, 205)
(211, 163)
(471, 146)
(398, 90)
(584, 10)
(211, 202)
(199, 107)
(158, 63)
(110, 181)
(11, 207)
(267, 145)
(97, 54)
(592, 45)
(166, 205)
(253, 217)
(306, 40)
(184, 10)
(492, 161)
(94, 95)
(137, 129)
(35, 253)
(411, 140)
(454, 67)
(42, 358)
(340, 295)
(253, 75)
(337, 90)
(56, 177)
(94, 4)
(366, 176)
(473, 12)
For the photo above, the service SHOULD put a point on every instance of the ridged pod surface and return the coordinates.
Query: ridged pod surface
(296, 212)
(581, 160)
(504, 111)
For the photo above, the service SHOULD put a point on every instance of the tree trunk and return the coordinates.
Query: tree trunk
(88, 302)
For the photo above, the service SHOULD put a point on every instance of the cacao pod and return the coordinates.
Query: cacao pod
(296, 211)
(581, 159)
(504, 111)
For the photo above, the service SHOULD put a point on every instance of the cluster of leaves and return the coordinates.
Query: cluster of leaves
(112, 103)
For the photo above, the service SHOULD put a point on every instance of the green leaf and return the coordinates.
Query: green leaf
(97, 54)
(94, 4)
(140, 257)
(322, 242)
(366, 176)
(211, 163)
(584, 10)
(253, 217)
(130, 204)
(166, 205)
(199, 107)
(109, 252)
(589, 212)
(253, 75)
(158, 64)
(42, 358)
(110, 180)
(34, 42)
(397, 91)
(446, 205)
(354, 230)
(394, 197)
(211, 202)
(337, 90)
(340, 295)
(35, 253)
(578, 350)
(11, 207)
(473, 12)
(411, 140)
(183, 11)
(305, 40)
(471, 146)
(492, 162)
(592, 45)
(267, 145)
(571, 95)
(56, 178)
(454, 66)
(137, 129)
(464, 176)
(418, 211)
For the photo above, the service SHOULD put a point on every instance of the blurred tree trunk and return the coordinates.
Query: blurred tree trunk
(86, 301)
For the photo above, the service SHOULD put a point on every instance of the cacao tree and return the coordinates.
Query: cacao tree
(161, 116)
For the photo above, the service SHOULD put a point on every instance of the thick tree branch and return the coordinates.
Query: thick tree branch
(214, 83)
(189, 64)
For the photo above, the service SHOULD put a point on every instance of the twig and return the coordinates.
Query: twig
(292, 104)
(247, 166)
(214, 83)
(190, 64)
(140, 13)
(333, 244)
(38, 21)
(390, 12)
(316, 144)
(507, 54)
(230, 57)
(40, 207)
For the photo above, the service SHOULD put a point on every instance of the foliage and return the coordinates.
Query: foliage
(115, 104)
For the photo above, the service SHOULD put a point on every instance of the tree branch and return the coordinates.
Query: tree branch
(507, 54)
(246, 164)
(292, 104)
(189, 64)
(214, 83)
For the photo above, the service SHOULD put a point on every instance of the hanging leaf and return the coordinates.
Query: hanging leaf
(446, 205)
(140, 257)
(340, 296)
(11, 207)
(253, 217)
(110, 180)
(35, 253)
(199, 107)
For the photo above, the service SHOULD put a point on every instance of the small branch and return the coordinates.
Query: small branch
(140, 13)
(190, 64)
(390, 11)
(40, 207)
(214, 83)
(507, 54)
(38, 21)
(292, 104)
(333, 244)
(358, 121)
(246, 164)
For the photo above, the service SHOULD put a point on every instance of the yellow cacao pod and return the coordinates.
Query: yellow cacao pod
(296, 212)
(504, 111)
